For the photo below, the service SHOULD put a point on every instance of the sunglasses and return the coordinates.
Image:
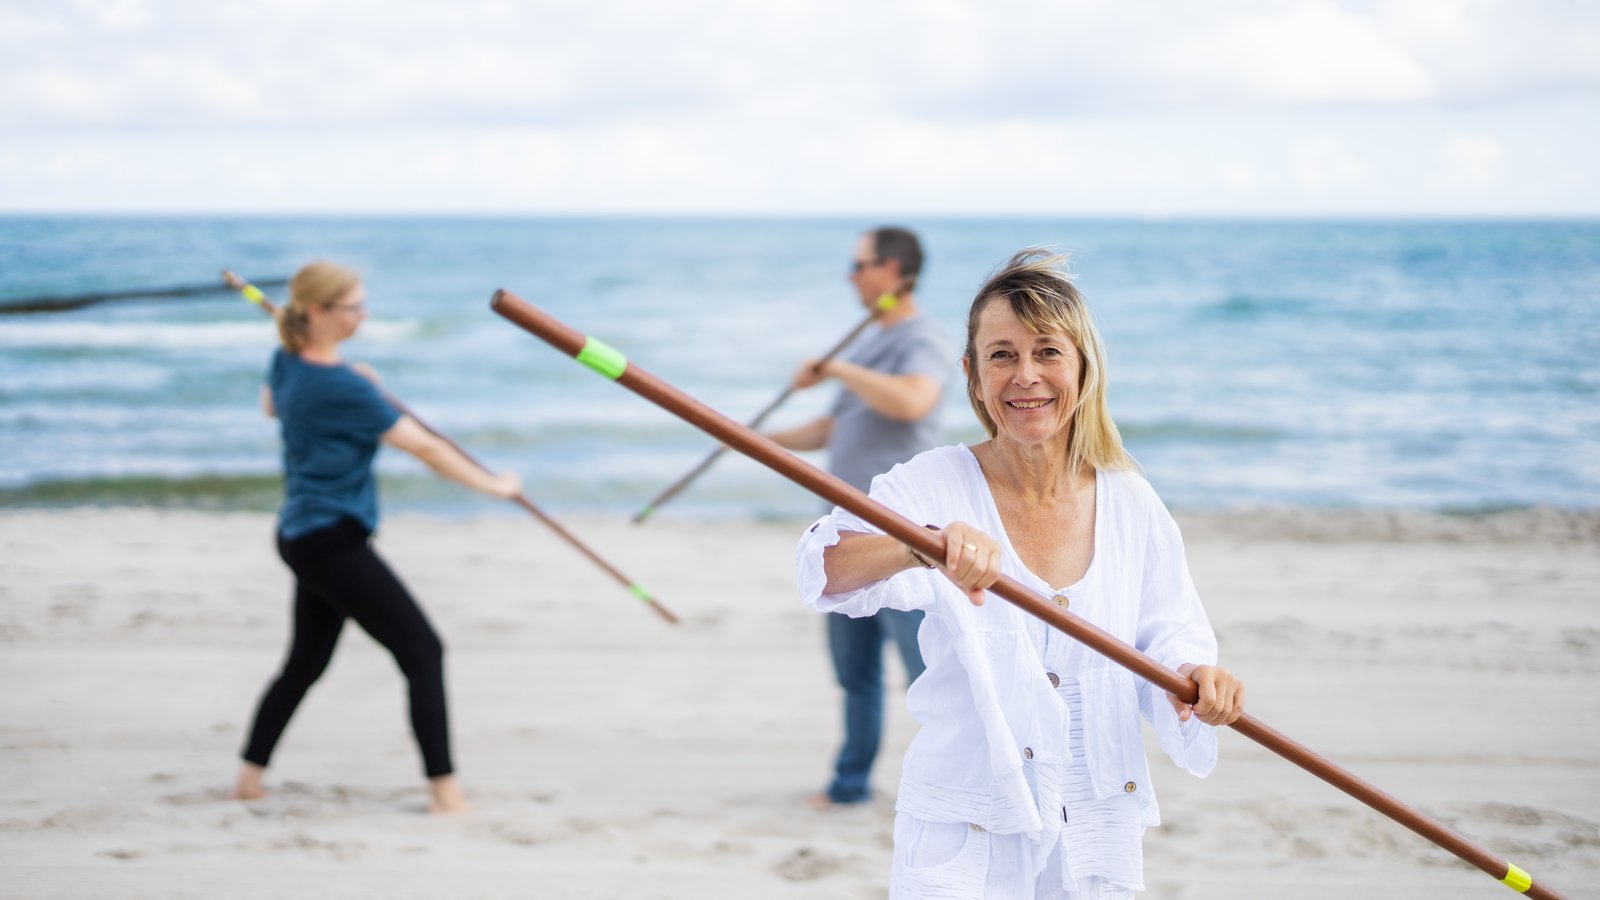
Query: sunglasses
(857, 265)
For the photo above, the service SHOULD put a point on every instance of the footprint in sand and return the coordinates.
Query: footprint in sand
(340, 850)
(71, 609)
(522, 837)
(807, 864)
(1304, 848)
(195, 798)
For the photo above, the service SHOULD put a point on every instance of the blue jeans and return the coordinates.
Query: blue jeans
(857, 649)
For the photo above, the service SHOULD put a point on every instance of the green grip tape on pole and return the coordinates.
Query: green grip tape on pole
(888, 302)
(253, 294)
(640, 592)
(603, 358)
(1517, 879)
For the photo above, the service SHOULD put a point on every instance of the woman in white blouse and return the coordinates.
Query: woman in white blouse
(1028, 776)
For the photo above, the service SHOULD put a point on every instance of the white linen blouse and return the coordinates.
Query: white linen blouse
(993, 747)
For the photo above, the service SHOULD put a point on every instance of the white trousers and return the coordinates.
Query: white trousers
(942, 861)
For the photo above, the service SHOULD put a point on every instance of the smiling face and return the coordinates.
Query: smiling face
(1036, 368)
(1027, 382)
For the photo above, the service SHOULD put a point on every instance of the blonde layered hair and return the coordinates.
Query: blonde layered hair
(1036, 284)
(318, 283)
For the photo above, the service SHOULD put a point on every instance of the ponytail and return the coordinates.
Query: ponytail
(292, 327)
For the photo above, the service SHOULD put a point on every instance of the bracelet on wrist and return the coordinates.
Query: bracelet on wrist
(916, 557)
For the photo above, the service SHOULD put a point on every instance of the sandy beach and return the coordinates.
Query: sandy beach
(1450, 660)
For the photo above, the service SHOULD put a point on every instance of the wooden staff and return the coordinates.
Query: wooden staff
(254, 295)
(612, 364)
(77, 301)
(884, 304)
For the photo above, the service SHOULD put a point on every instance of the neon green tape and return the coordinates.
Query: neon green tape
(888, 302)
(640, 592)
(603, 358)
(1516, 879)
(647, 512)
(253, 293)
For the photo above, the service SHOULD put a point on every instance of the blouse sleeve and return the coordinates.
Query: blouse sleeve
(905, 590)
(1174, 630)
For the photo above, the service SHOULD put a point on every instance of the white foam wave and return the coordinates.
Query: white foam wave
(56, 380)
(170, 335)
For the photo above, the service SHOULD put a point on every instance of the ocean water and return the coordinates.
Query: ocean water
(1436, 365)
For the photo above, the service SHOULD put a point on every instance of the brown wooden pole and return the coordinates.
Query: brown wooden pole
(614, 365)
(254, 295)
(681, 483)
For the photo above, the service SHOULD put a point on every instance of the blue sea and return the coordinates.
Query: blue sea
(1449, 366)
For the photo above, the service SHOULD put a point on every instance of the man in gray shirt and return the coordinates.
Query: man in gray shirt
(893, 379)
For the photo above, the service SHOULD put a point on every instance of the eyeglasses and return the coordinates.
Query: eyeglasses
(857, 265)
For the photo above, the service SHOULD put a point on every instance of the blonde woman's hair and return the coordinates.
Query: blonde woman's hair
(1036, 284)
(318, 283)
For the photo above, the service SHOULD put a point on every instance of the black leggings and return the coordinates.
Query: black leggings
(338, 576)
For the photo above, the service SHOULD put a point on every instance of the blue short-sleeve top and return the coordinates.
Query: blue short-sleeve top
(332, 419)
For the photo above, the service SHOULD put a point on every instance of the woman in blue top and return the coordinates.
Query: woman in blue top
(333, 416)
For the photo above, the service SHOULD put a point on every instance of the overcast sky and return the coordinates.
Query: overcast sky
(1051, 107)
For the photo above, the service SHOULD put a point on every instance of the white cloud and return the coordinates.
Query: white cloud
(1482, 51)
(66, 93)
(495, 63)
(1323, 164)
(116, 15)
(1316, 53)
(80, 162)
(22, 25)
(1239, 177)
(1202, 164)
(798, 105)
(1470, 161)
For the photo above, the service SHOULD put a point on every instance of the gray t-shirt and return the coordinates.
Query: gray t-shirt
(864, 444)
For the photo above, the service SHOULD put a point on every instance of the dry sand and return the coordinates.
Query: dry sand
(1453, 662)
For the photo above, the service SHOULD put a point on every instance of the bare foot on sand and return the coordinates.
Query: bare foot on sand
(821, 800)
(445, 796)
(248, 785)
